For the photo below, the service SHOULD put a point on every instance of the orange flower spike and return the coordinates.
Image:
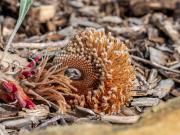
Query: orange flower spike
(104, 68)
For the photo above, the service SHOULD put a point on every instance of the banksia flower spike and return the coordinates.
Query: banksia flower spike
(92, 71)
(99, 67)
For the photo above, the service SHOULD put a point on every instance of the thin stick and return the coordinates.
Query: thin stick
(154, 64)
(61, 43)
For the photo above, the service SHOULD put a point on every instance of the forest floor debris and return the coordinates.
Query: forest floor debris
(151, 30)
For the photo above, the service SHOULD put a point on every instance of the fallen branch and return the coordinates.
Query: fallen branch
(154, 64)
(61, 43)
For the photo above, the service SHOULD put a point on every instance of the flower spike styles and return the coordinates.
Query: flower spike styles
(102, 64)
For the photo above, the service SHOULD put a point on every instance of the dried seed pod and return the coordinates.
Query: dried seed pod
(103, 74)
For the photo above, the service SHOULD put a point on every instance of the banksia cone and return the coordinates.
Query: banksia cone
(99, 67)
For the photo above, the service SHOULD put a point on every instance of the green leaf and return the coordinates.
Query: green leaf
(24, 7)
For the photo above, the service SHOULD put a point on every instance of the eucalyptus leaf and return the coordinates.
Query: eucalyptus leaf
(24, 7)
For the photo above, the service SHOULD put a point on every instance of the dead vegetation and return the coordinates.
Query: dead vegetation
(151, 31)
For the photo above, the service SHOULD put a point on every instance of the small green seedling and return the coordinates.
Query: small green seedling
(24, 7)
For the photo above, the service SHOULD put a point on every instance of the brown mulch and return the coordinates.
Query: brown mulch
(151, 30)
